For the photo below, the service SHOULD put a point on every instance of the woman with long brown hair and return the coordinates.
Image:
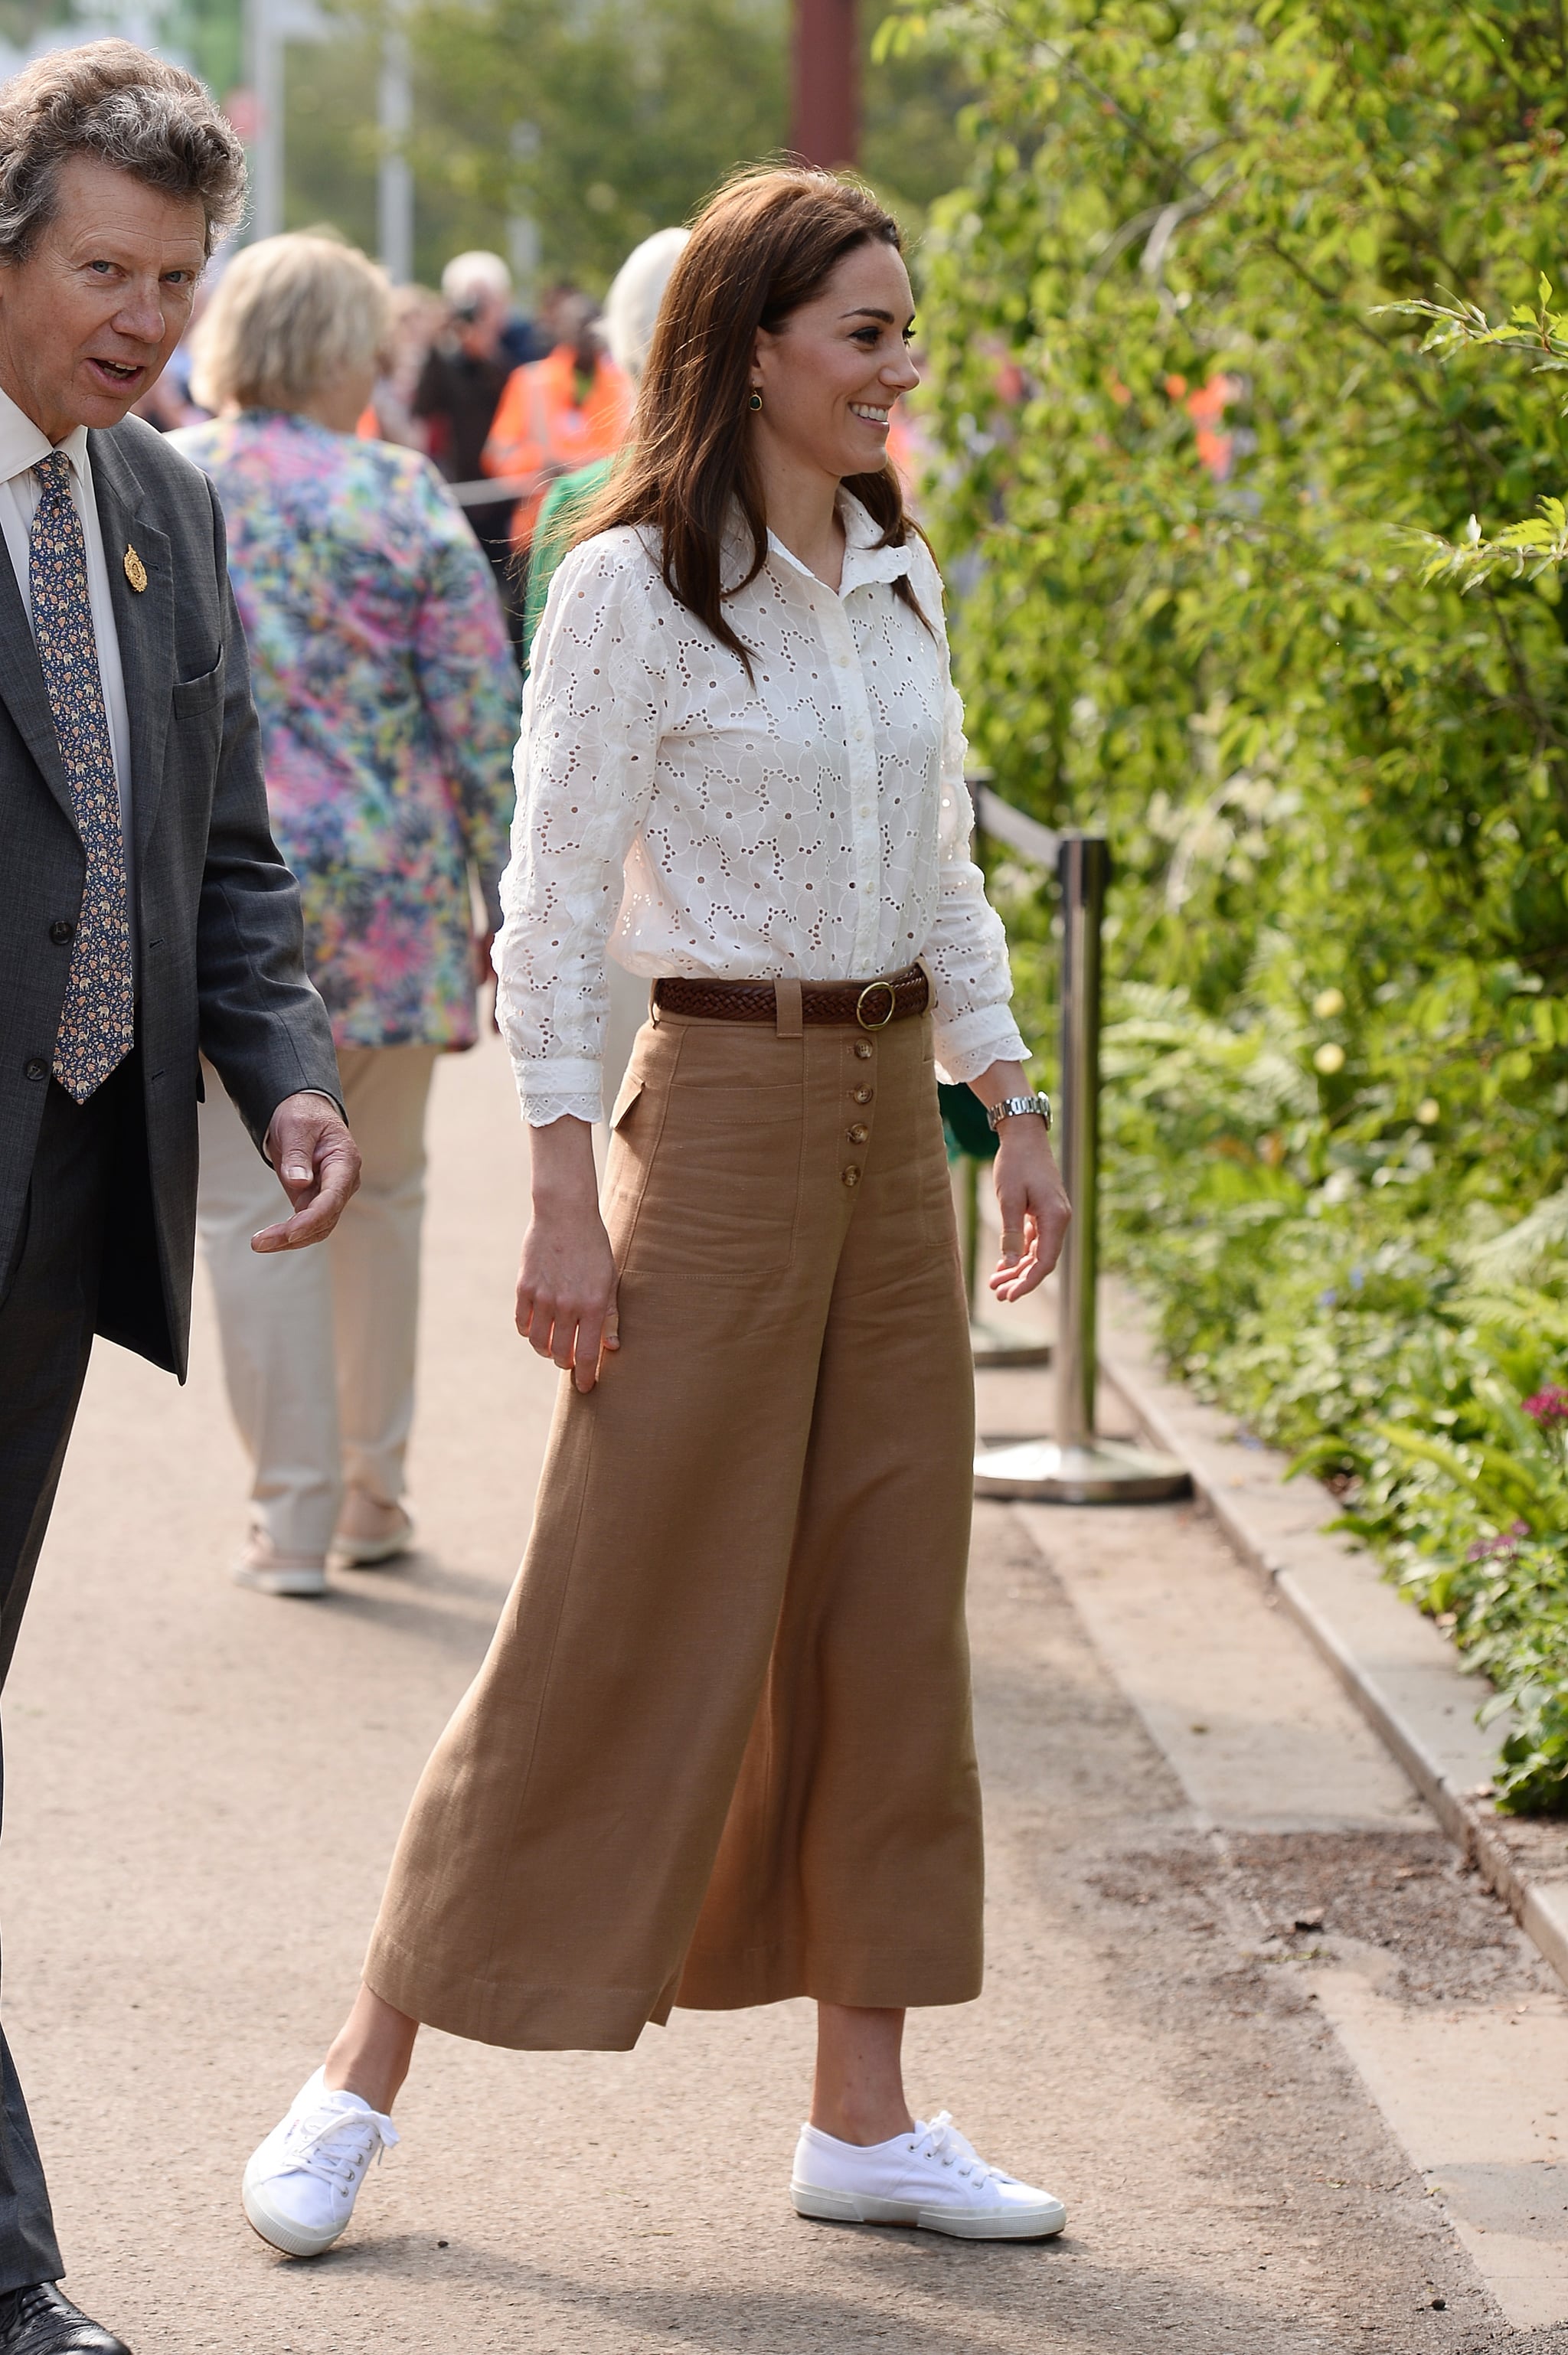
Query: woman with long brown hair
(720, 1752)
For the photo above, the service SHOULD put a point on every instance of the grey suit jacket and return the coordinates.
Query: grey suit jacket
(221, 964)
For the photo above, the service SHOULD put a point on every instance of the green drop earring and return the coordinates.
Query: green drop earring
(756, 400)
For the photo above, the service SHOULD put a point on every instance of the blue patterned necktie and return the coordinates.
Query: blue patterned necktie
(98, 1023)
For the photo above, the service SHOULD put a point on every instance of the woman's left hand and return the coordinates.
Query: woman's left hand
(1034, 1207)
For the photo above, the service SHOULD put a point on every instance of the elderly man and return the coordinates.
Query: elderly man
(460, 388)
(145, 913)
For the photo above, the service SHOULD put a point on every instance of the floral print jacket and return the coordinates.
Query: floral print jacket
(389, 703)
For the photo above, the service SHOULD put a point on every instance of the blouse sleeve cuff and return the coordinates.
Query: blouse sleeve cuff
(542, 1112)
(570, 1089)
(968, 1044)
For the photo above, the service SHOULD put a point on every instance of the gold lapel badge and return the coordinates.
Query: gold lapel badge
(136, 571)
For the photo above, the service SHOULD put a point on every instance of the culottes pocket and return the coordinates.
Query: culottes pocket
(703, 1182)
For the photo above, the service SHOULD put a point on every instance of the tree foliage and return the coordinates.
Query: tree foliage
(1185, 435)
(1536, 546)
(603, 122)
(599, 121)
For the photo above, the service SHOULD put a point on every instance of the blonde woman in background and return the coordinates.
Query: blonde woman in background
(388, 702)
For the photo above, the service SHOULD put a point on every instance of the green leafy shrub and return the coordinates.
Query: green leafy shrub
(1389, 1351)
(1205, 504)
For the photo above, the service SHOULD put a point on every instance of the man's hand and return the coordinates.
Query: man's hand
(318, 1164)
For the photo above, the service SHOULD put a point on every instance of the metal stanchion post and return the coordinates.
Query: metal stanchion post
(1082, 868)
(1077, 1468)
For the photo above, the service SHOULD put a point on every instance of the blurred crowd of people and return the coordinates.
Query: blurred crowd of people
(485, 392)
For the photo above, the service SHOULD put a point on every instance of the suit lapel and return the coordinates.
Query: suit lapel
(23, 691)
(143, 620)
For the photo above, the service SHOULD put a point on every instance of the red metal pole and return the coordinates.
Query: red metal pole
(827, 127)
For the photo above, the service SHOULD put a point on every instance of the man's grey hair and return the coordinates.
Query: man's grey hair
(478, 273)
(115, 104)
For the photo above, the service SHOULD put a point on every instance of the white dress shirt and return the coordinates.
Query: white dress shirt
(811, 823)
(21, 447)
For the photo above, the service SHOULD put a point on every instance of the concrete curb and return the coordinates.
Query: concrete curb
(1395, 1664)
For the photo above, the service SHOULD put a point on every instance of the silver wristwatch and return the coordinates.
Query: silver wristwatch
(1015, 1107)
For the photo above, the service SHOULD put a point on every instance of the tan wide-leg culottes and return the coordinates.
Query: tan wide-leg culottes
(720, 1751)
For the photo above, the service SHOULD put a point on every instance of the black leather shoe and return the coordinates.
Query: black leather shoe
(39, 2321)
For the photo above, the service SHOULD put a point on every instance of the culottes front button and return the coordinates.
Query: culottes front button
(860, 1133)
(861, 1096)
(851, 1175)
(863, 1049)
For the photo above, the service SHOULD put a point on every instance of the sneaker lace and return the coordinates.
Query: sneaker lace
(338, 2145)
(942, 2141)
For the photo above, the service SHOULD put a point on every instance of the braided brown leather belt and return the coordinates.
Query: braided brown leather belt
(872, 1004)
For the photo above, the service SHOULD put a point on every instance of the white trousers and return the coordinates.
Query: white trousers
(318, 1345)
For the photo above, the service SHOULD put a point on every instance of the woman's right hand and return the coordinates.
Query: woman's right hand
(566, 1285)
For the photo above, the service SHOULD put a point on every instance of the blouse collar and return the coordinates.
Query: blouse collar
(864, 561)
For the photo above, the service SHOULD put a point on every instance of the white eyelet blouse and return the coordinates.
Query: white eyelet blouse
(811, 823)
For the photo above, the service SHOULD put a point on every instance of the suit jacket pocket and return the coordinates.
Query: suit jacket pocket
(194, 697)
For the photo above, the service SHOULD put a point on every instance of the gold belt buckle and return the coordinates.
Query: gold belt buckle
(861, 1014)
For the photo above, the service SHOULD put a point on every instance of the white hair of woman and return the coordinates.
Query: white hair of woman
(632, 305)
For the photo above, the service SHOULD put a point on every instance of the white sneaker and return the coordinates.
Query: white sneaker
(301, 2182)
(261, 1565)
(931, 2178)
(370, 1532)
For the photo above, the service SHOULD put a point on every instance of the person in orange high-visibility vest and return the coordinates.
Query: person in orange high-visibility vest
(559, 413)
